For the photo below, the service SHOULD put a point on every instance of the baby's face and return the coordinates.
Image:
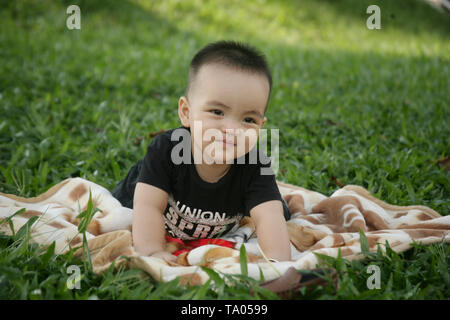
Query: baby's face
(225, 111)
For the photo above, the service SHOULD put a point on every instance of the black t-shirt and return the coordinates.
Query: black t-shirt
(199, 209)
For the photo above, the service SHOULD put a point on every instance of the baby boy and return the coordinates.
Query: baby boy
(199, 180)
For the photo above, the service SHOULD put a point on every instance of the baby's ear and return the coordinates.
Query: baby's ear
(183, 111)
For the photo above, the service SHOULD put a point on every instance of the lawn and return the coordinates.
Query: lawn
(365, 107)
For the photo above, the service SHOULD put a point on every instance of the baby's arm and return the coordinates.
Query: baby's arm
(148, 221)
(271, 230)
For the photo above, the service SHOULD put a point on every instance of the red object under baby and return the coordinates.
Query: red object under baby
(192, 244)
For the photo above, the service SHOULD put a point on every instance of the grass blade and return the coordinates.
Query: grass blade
(364, 242)
(9, 220)
(25, 229)
(243, 260)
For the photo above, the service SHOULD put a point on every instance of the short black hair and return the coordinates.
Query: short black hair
(233, 54)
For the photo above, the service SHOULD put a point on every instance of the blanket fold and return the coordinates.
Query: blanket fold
(319, 224)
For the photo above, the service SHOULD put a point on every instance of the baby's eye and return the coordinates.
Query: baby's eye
(217, 112)
(249, 120)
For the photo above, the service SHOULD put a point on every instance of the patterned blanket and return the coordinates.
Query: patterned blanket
(319, 224)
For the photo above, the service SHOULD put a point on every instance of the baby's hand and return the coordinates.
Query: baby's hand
(164, 255)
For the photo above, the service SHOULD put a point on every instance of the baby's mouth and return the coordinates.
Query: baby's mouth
(227, 142)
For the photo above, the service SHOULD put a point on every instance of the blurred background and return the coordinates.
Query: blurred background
(353, 105)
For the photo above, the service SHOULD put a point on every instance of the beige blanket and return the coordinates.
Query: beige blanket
(318, 224)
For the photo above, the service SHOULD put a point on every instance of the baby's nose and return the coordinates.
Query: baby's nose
(231, 126)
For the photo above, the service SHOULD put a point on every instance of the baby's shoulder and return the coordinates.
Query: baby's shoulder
(167, 139)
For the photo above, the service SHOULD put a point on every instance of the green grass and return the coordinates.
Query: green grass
(28, 271)
(369, 107)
